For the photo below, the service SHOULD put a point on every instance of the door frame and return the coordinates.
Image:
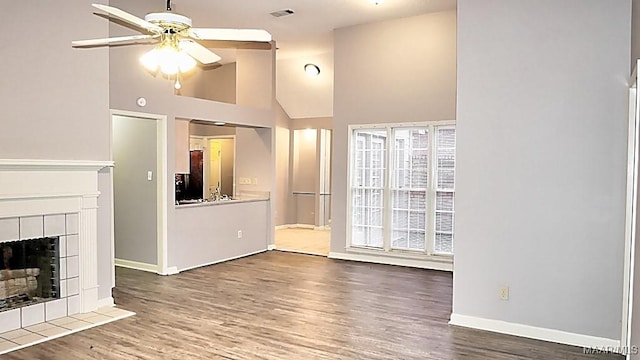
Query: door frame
(161, 191)
(633, 149)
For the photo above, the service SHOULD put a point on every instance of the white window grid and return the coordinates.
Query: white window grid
(410, 199)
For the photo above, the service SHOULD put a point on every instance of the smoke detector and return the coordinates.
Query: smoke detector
(280, 13)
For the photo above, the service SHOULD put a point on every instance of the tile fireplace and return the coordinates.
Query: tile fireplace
(48, 240)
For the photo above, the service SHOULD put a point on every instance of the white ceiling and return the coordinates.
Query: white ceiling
(308, 31)
(304, 37)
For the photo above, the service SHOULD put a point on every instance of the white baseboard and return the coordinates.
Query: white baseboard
(302, 226)
(170, 271)
(106, 302)
(389, 260)
(137, 265)
(271, 247)
(552, 335)
(303, 252)
(223, 260)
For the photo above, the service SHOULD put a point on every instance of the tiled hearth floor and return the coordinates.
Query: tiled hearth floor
(21, 338)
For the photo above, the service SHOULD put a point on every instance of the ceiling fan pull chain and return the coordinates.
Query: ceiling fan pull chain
(177, 84)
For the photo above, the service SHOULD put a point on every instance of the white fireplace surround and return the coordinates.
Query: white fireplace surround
(46, 189)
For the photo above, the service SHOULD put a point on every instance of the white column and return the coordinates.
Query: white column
(89, 252)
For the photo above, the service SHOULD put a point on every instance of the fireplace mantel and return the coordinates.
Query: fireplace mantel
(45, 188)
(52, 165)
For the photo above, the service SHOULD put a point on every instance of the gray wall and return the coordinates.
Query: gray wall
(635, 32)
(217, 84)
(284, 204)
(540, 190)
(305, 174)
(135, 198)
(210, 130)
(55, 99)
(210, 233)
(312, 123)
(413, 78)
(254, 158)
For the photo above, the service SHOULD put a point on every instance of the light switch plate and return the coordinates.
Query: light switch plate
(150, 175)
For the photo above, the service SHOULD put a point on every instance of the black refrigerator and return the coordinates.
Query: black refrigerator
(190, 186)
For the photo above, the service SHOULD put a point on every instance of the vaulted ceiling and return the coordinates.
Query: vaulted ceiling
(304, 37)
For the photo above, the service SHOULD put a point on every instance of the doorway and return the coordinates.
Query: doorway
(310, 188)
(221, 165)
(217, 166)
(138, 149)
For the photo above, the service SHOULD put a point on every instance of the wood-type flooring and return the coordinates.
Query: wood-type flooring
(278, 305)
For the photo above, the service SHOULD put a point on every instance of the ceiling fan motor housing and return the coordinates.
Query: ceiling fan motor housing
(169, 20)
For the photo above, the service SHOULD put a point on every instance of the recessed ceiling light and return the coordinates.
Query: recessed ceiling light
(219, 123)
(312, 70)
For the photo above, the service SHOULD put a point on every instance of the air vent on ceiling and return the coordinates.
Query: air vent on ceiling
(280, 13)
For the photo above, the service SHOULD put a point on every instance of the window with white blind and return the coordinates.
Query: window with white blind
(402, 188)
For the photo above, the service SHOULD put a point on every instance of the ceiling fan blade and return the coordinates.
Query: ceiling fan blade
(230, 34)
(198, 52)
(114, 40)
(131, 19)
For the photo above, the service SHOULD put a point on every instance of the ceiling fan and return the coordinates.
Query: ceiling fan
(178, 46)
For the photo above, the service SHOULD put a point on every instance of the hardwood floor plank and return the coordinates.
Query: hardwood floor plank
(277, 305)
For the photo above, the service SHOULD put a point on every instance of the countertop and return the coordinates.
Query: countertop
(243, 197)
(219, 202)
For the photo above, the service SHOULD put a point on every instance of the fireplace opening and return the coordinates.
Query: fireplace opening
(29, 272)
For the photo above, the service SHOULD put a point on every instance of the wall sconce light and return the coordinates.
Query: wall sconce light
(312, 70)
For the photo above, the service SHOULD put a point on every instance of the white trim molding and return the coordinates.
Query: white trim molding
(172, 270)
(106, 302)
(135, 265)
(223, 260)
(425, 263)
(271, 247)
(52, 165)
(533, 332)
(302, 226)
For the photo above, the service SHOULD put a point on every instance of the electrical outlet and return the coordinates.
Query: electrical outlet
(503, 293)
(239, 234)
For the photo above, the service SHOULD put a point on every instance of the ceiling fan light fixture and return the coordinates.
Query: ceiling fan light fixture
(150, 60)
(168, 59)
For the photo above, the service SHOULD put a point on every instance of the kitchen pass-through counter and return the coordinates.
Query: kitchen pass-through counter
(215, 231)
